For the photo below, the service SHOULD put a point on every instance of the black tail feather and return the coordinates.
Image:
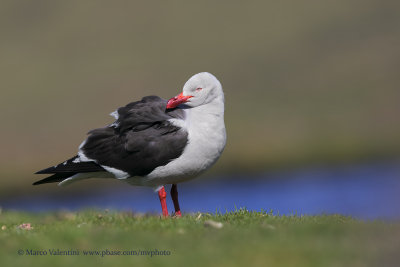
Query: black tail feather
(55, 178)
(73, 165)
(67, 169)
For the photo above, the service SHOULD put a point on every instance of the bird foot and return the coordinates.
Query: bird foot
(177, 214)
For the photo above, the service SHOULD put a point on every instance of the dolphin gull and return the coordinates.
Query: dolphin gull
(154, 142)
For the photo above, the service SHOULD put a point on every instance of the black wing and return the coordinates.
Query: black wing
(140, 140)
(73, 165)
(67, 169)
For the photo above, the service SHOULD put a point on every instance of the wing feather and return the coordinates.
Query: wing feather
(141, 139)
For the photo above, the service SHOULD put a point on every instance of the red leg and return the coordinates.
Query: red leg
(163, 196)
(174, 196)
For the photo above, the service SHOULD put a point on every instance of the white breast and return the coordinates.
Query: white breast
(206, 141)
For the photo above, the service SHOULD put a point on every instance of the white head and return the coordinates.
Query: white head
(200, 89)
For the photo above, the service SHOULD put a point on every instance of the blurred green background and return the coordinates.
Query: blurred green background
(306, 82)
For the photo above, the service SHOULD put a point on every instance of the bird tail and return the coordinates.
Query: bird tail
(67, 169)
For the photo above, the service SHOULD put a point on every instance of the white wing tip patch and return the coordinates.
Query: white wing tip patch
(115, 114)
(114, 124)
(82, 157)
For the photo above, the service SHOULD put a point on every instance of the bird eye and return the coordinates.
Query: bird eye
(199, 89)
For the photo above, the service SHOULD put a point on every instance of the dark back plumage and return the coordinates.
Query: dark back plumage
(141, 139)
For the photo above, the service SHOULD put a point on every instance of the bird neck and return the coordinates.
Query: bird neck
(206, 119)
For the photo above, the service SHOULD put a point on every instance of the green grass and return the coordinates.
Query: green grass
(246, 238)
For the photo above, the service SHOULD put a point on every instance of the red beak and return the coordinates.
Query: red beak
(177, 100)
